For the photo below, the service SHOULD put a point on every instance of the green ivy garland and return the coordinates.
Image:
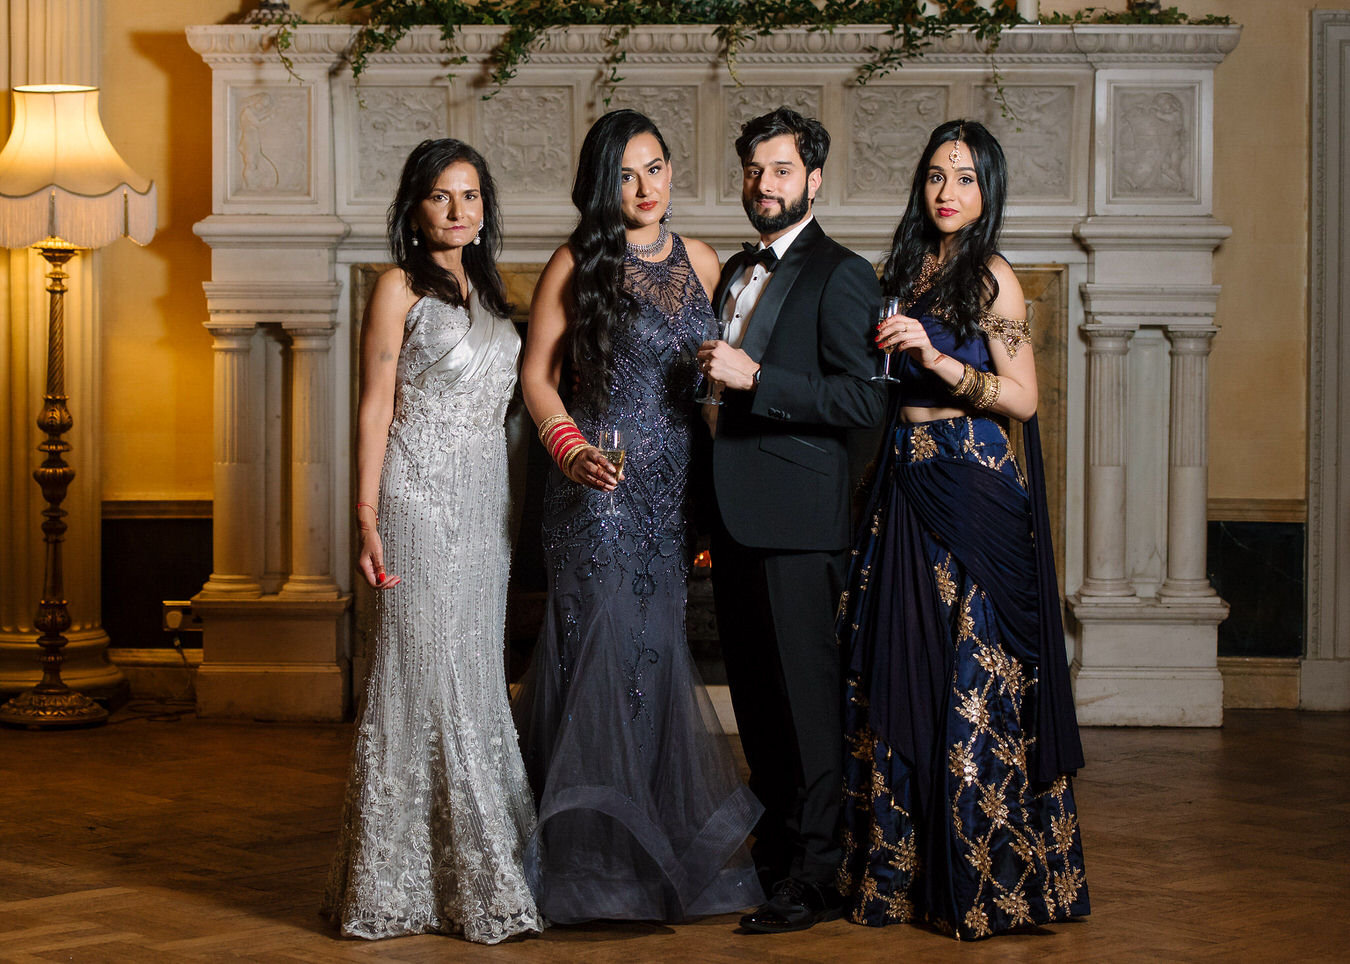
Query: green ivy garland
(911, 28)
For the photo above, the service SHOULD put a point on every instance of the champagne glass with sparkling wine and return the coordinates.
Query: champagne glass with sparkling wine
(889, 306)
(705, 389)
(612, 447)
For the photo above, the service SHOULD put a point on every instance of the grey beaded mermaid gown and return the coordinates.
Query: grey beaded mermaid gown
(642, 815)
(438, 808)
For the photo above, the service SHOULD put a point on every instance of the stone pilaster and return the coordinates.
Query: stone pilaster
(311, 471)
(1104, 575)
(1188, 466)
(237, 506)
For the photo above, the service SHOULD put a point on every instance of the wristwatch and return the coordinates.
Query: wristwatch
(755, 377)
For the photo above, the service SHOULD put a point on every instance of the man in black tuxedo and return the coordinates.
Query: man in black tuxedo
(799, 314)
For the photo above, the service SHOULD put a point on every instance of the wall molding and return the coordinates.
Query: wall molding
(1258, 510)
(1260, 683)
(1326, 680)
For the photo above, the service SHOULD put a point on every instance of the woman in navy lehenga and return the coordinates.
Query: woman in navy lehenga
(961, 729)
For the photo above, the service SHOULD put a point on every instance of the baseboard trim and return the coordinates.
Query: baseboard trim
(158, 673)
(157, 508)
(1260, 683)
(1258, 510)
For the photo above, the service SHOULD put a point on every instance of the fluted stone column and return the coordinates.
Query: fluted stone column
(311, 571)
(1188, 466)
(56, 41)
(236, 531)
(1105, 578)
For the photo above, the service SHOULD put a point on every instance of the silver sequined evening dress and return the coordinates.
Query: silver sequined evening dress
(642, 815)
(438, 808)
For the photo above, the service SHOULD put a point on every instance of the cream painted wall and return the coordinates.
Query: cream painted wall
(156, 106)
(157, 358)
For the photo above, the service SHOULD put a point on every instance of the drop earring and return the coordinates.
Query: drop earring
(476, 237)
(415, 242)
(670, 210)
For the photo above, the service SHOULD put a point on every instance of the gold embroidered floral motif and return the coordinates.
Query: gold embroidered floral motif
(906, 854)
(981, 859)
(928, 272)
(899, 908)
(960, 763)
(973, 708)
(879, 789)
(965, 624)
(977, 922)
(1012, 754)
(994, 807)
(921, 445)
(1015, 906)
(946, 585)
(1068, 883)
(1013, 332)
(1064, 828)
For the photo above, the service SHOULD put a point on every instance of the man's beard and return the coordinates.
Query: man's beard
(788, 215)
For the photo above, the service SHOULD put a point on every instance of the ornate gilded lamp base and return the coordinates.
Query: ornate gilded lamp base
(37, 710)
(52, 703)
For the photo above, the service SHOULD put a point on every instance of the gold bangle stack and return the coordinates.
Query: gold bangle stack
(570, 457)
(547, 424)
(978, 388)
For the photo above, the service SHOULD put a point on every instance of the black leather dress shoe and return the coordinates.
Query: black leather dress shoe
(795, 906)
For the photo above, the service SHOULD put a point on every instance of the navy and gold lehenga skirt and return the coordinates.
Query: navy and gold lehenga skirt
(945, 823)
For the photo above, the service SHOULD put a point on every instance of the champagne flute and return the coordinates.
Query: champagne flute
(705, 389)
(612, 446)
(889, 306)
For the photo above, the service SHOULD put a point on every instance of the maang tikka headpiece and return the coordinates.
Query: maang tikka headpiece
(955, 155)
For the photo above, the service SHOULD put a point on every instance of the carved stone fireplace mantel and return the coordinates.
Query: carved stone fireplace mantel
(1108, 132)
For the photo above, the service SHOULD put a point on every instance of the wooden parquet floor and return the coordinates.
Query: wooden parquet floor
(189, 841)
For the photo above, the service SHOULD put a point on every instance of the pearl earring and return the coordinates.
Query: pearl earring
(476, 237)
(415, 242)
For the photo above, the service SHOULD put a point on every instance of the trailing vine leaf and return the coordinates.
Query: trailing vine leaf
(912, 27)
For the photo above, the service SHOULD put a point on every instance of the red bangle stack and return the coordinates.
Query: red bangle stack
(562, 438)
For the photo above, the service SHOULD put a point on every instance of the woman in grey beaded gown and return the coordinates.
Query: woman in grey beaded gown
(642, 815)
(437, 808)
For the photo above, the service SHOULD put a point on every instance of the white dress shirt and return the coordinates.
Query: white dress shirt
(743, 295)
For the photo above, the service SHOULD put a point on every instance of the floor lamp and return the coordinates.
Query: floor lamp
(63, 189)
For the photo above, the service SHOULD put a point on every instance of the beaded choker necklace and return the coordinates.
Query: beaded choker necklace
(641, 250)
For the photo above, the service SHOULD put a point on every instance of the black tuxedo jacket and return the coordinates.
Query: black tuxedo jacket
(779, 461)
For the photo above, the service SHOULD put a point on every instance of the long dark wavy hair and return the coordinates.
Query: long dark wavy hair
(425, 277)
(965, 286)
(600, 305)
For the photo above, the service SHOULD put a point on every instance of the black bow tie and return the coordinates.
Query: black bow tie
(764, 256)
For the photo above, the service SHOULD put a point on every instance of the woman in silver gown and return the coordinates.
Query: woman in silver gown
(438, 808)
(641, 811)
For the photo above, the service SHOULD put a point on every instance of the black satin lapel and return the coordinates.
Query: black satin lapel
(730, 272)
(770, 304)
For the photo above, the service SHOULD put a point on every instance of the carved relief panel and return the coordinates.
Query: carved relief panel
(269, 139)
(743, 103)
(888, 126)
(527, 138)
(1158, 141)
(1037, 133)
(389, 122)
(1152, 132)
(675, 112)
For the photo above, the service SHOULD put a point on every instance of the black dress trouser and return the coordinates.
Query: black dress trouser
(775, 617)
